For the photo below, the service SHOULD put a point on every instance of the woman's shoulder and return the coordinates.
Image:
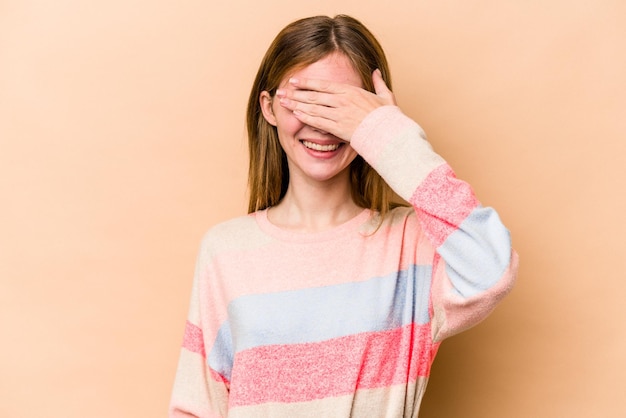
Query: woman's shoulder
(400, 213)
(235, 233)
(232, 226)
(401, 216)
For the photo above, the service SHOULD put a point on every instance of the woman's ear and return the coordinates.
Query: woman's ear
(266, 102)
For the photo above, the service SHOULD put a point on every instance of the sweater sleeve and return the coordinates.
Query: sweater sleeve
(475, 265)
(199, 390)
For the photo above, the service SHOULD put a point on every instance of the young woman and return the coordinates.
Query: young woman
(331, 298)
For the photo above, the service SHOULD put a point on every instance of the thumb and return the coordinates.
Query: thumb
(381, 89)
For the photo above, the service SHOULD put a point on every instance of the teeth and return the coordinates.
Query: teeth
(319, 147)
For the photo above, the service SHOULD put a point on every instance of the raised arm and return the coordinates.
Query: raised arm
(475, 265)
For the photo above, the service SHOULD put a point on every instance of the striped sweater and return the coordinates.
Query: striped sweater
(344, 322)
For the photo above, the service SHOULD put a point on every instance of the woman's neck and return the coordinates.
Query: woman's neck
(311, 206)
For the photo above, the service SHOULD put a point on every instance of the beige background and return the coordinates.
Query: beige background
(122, 141)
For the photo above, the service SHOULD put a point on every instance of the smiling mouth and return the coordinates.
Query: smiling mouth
(319, 147)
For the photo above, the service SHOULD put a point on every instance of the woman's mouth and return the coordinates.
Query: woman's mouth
(319, 147)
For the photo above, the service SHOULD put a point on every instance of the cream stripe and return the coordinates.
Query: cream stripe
(406, 161)
(404, 399)
(193, 388)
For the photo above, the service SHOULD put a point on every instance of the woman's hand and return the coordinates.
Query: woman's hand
(335, 108)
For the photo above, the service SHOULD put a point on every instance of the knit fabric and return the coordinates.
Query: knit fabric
(344, 322)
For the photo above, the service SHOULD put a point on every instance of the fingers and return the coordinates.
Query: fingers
(327, 93)
(312, 91)
(315, 110)
(315, 85)
(335, 108)
(305, 96)
(312, 108)
(381, 89)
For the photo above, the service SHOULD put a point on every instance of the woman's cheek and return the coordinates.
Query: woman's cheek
(288, 122)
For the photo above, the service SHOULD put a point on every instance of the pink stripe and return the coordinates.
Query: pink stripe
(374, 256)
(302, 372)
(193, 340)
(443, 202)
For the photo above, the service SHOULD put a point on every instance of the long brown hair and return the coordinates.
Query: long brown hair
(298, 45)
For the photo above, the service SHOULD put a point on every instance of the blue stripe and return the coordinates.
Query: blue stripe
(318, 314)
(478, 253)
(221, 357)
